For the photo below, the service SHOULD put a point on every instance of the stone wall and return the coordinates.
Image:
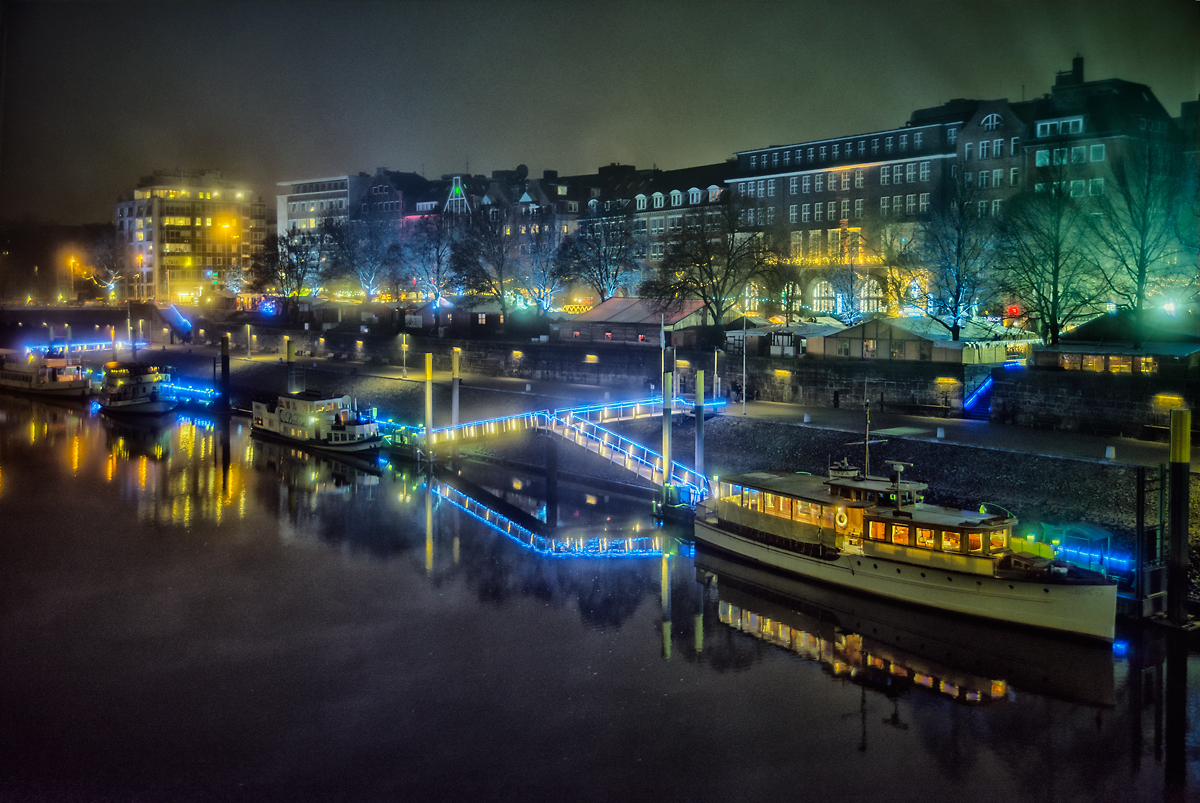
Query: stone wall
(1079, 401)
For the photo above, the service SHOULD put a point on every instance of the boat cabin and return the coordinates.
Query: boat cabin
(875, 515)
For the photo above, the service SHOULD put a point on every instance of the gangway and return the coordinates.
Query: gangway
(581, 426)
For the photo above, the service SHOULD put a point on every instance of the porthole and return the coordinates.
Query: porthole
(978, 582)
(1010, 588)
(950, 579)
(859, 562)
(874, 565)
(922, 574)
(1046, 590)
(897, 571)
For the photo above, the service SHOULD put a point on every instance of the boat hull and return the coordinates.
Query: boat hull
(54, 390)
(1082, 610)
(149, 408)
(365, 448)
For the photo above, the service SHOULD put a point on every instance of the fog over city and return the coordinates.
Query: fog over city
(97, 95)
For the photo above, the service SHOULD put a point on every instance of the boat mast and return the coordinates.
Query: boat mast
(867, 442)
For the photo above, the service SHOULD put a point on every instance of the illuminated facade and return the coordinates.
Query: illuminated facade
(189, 234)
(859, 200)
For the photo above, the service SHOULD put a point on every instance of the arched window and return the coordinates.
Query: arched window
(870, 296)
(693, 196)
(641, 202)
(992, 122)
(658, 200)
(676, 197)
(823, 297)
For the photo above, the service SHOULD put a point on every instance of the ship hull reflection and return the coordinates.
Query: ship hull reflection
(918, 642)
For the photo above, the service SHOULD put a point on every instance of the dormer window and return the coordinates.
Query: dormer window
(676, 197)
(641, 202)
(658, 200)
(693, 196)
(714, 194)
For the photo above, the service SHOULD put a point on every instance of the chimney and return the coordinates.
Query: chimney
(550, 175)
(1072, 78)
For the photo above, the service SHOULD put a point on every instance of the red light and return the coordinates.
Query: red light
(1014, 311)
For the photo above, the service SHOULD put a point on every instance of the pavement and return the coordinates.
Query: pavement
(967, 432)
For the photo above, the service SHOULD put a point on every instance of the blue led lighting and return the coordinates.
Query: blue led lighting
(974, 397)
(593, 547)
(1120, 648)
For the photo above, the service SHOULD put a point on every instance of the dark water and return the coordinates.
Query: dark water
(188, 614)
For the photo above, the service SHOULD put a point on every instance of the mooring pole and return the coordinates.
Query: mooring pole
(223, 403)
(1177, 563)
(455, 382)
(700, 422)
(249, 340)
(666, 439)
(428, 405)
(293, 374)
(665, 598)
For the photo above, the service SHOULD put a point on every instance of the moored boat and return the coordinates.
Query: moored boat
(52, 374)
(317, 421)
(877, 535)
(131, 388)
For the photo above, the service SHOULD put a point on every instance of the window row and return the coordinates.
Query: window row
(840, 150)
(991, 148)
(658, 199)
(1077, 155)
(989, 179)
(900, 174)
(898, 205)
(1077, 188)
(939, 540)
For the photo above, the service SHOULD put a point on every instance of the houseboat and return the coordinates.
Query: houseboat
(132, 388)
(877, 535)
(53, 374)
(316, 421)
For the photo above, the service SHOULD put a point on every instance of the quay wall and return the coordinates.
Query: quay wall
(1080, 401)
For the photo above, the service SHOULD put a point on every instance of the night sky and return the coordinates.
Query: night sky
(97, 95)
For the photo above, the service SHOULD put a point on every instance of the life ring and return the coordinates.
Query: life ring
(841, 519)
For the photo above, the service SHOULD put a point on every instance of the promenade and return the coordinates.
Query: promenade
(542, 393)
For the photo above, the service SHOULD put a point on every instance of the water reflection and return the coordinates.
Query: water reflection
(898, 648)
(331, 618)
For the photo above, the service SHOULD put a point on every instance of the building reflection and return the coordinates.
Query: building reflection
(897, 648)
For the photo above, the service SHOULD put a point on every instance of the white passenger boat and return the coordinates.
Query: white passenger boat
(316, 421)
(52, 374)
(132, 388)
(876, 535)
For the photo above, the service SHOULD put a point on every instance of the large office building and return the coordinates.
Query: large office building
(188, 234)
(851, 201)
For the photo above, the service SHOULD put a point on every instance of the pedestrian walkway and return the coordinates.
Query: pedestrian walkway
(967, 432)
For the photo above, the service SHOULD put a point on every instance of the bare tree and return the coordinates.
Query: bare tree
(486, 256)
(602, 253)
(428, 244)
(289, 262)
(955, 246)
(111, 262)
(1135, 226)
(713, 258)
(366, 250)
(542, 274)
(1045, 257)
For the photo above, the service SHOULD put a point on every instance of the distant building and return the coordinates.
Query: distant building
(189, 233)
(920, 340)
(631, 320)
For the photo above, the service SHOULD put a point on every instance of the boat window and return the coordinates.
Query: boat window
(806, 512)
(877, 531)
(951, 541)
(731, 493)
(976, 541)
(925, 538)
(777, 505)
(999, 539)
(752, 499)
(900, 534)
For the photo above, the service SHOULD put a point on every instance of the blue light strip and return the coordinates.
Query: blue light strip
(98, 345)
(1078, 555)
(974, 397)
(594, 547)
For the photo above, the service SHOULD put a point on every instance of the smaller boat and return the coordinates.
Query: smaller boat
(317, 421)
(52, 374)
(135, 389)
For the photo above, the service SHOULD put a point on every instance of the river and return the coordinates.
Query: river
(189, 614)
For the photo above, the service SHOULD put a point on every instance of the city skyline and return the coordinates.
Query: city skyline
(103, 94)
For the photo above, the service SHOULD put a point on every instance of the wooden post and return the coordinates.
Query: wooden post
(1177, 562)
(666, 437)
(700, 423)
(428, 405)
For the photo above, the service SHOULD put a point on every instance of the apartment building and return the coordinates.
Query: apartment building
(188, 234)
